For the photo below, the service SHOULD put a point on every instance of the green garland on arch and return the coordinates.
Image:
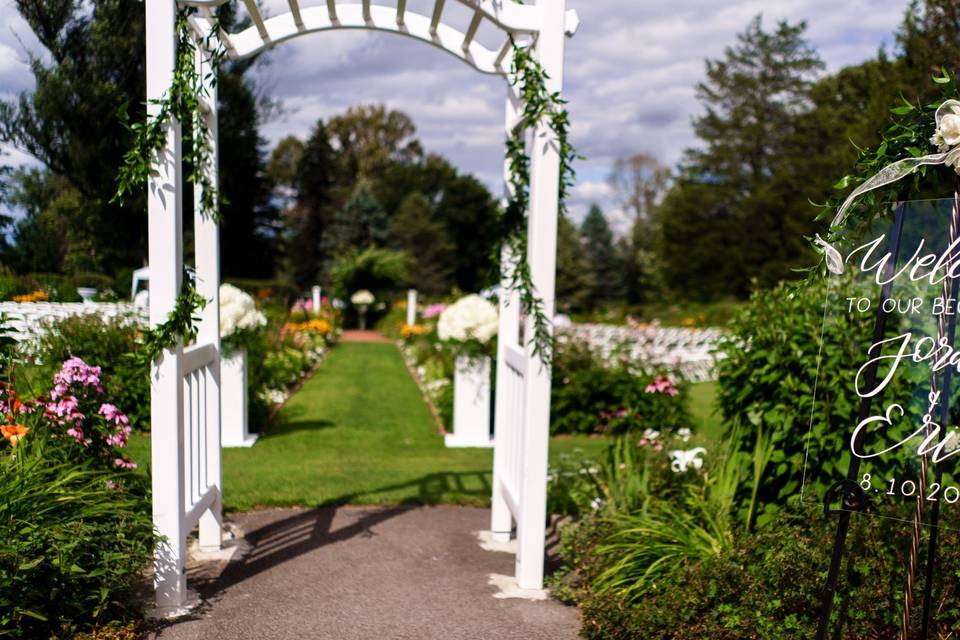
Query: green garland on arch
(540, 105)
(181, 103)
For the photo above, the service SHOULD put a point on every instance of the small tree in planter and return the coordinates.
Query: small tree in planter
(468, 327)
(240, 321)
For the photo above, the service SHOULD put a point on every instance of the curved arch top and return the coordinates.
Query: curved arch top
(512, 18)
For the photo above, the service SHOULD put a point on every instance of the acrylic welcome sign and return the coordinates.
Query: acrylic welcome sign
(883, 437)
(887, 436)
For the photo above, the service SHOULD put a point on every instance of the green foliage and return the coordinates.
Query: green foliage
(765, 584)
(180, 102)
(108, 343)
(417, 232)
(360, 224)
(180, 324)
(604, 262)
(575, 277)
(767, 379)
(378, 270)
(587, 397)
(540, 106)
(74, 542)
(728, 194)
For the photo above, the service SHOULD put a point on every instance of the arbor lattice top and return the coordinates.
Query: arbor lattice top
(512, 19)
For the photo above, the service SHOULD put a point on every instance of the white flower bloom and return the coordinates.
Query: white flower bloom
(362, 297)
(238, 311)
(950, 128)
(680, 460)
(596, 504)
(651, 434)
(469, 317)
(684, 434)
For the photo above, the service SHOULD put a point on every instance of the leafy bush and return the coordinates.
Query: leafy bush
(766, 584)
(74, 542)
(766, 381)
(108, 342)
(75, 526)
(590, 397)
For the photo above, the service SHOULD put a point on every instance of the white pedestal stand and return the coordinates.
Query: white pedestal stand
(471, 404)
(235, 416)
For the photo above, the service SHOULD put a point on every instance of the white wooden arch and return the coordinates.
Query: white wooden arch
(185, 389)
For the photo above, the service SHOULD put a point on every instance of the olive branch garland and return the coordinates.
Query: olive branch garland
(539, 105)
(180, 102)
(908, 136)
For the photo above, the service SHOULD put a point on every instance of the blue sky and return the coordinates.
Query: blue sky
(630, 76)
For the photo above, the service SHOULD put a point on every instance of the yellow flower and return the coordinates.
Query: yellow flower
(36, 296)
(411, 330)
(311, 326)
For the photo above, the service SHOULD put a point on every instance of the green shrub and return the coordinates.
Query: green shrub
(589, 397)
(766, 382)
(767, 584)
(74, 541)
(107, 343)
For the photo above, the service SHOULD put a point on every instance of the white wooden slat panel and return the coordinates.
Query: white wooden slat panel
(350, 16)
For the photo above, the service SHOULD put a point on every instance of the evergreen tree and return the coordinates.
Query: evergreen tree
(312, 213)
(361, 223)
(416, 231)
(575, 283)
(605, 265)
(248, 230)
(720, 225)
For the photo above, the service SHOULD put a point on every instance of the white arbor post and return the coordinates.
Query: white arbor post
(207, 250)
(411, 307)
(166, 269)
(541, 255)
(508, 333)
(315, 292)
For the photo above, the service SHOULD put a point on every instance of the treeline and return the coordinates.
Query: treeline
(774, 135)
(362, 186)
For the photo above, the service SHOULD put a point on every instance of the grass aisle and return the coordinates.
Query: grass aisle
(358, 432)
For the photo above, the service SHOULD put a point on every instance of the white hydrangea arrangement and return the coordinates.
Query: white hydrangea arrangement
(469, 318)
(238, 311)
(362, 297)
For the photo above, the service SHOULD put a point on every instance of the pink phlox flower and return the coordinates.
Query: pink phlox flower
(76, 371)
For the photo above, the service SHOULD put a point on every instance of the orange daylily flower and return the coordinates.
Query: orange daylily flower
(13, 432)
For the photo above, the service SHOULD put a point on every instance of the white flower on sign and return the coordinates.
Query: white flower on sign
(470, 317)
(681, 460)
(238, 311)
(362, 297)
(949, 129)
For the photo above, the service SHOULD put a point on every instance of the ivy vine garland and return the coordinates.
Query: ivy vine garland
(879, 174)
(539, 105)
(182, 102)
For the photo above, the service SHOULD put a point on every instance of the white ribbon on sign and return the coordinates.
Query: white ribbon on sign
(903, 168)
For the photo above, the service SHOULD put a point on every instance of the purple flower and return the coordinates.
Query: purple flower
(662, 384)
(76, 372)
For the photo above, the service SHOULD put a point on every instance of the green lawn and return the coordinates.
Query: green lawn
(358, 432)
(703, 408)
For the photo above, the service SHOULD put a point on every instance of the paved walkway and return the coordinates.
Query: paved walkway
(363, 573)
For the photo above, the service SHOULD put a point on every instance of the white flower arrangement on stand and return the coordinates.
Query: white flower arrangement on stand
(470, 321)
(238, 313)
(362, 300)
